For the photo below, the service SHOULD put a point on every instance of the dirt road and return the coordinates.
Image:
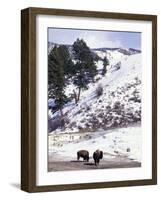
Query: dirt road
(110, 163)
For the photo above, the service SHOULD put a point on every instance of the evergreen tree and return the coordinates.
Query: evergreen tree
(58, 66)
(65, 57)
(105, 63)
(91, 68)
(85, 68)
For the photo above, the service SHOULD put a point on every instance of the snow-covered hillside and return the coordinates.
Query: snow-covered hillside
(119, 103)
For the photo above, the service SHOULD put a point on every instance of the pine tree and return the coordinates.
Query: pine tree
(85, 68)
(105, 63)
(58, 62)
(66, 59)
(91, 68)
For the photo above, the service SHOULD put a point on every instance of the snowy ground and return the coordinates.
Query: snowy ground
(125, 142)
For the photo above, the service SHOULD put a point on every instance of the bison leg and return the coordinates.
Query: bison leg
(78, 156)
(95, 162)
(86, 158)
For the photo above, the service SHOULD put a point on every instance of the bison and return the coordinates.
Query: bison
(97, 155)
(83, 154)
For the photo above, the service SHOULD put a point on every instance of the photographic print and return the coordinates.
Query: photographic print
(88, 99)
(94, 99)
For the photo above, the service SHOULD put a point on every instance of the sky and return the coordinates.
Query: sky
(96, 39)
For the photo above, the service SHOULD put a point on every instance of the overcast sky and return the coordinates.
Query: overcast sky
(96, 39)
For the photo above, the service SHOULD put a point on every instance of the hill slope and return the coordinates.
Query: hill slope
(119, 103)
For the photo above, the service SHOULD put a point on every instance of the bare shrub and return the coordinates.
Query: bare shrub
(99, 90)
(117, 105)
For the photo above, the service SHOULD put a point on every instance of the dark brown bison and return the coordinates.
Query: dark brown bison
(97, 155)
(83, 154)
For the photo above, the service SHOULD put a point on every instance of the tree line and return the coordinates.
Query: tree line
(80, 71)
